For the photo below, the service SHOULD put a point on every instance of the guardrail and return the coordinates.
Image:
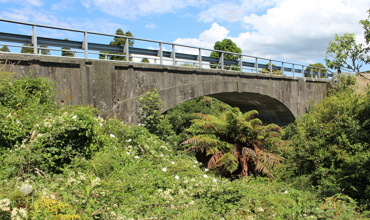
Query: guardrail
(196, 57)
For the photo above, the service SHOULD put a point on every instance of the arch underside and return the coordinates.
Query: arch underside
(270, 109)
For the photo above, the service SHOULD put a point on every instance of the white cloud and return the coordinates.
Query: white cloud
(233, 11)
(297, 31)
(128, 9)
(30, 14)
(151, 26)
(207, 38)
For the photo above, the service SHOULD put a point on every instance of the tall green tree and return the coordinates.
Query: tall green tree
(118, 41)
(4, 48)
(346, 54)
(235, 144)
(228, 46)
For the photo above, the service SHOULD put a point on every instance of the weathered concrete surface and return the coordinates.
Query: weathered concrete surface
(114, 87)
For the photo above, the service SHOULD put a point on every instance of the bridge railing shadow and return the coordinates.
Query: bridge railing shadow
(45, 40)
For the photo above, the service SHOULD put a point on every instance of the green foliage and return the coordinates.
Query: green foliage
(180, 116)
(4, 49)
(66, 52)
(234, 143)
(228, 46)
(330, 145)
(145, 60)
(273, 71)
(151, 117)
(316, 68)
(67, 164)
(366, 26)
(347, 54)
(29, 49)
(118, 41)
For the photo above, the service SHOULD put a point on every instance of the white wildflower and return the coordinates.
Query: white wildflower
(205, 176)
(214, 180)
(5, 204)
(128, 153)
(74, 117)
(26, 188)
(47, 124)
(161, 155)
(206, 170)
(19, 213)
(194, 166)
(137, 157)
(101, 124)
(191, 202)
(177, 177)
(285, 192)
(173, 162)
(112, 135)
(95, 182)
(164, 169)
(129, 140)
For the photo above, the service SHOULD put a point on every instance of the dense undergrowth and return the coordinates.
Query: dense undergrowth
(63, 162)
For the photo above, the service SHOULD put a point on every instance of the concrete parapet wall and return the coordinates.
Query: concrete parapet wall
(114, 87)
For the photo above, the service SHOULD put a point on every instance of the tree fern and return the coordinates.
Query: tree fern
(235, 142)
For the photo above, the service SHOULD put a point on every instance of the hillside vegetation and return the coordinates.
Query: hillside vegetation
(63, 162)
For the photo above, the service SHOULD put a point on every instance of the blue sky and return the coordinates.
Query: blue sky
(288, 30)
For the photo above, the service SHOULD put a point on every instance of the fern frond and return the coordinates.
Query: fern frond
(228, 162)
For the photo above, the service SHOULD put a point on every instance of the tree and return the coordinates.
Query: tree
(145, 60)
(5, 49)
(347, 54)
(274, 71)
(366, 25)
(66, 52)
(316, 67)
(235, 143)
(118, 41)
(29, 49)
(228, 46)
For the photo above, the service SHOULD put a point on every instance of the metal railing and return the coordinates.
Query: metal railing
(198, 58)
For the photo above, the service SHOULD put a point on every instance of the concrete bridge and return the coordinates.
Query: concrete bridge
(114, 87)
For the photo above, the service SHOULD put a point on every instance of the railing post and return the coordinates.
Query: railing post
(173, 55)
(241, 63)
(303, 72)
(256, 65)
(270, 67)
(85, 46)
(319, 73)
(326, 74)
(200, 58)
(293, 70)
(222, 60)
(34, 40)
(160, 54)
(282, 69)
(127, 50)
(311, 73)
